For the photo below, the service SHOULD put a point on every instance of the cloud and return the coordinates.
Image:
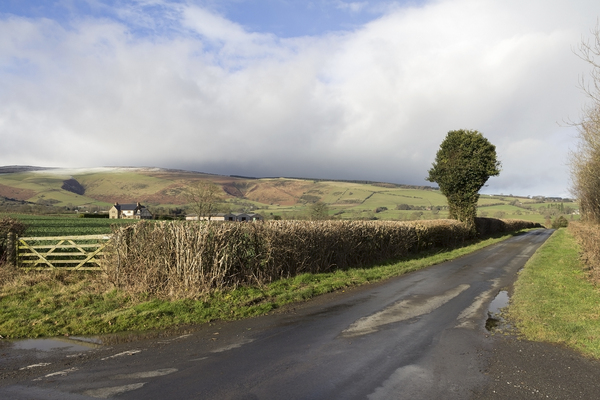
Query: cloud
(372, 103)
(352, 6)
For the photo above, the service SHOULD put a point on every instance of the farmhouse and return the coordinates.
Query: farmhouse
(238, 217)
(129, 211)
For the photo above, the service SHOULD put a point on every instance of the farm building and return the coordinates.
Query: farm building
(129, 211)
(238, 217)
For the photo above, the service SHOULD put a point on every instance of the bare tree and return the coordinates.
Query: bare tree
(585, 160)
(204, 197)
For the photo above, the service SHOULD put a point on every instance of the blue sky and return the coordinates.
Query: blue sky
(325, 89)
(284, 18)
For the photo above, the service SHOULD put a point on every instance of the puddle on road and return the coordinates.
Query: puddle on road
(499, 302)
(60, 344)
(495, 319)
(85, 343)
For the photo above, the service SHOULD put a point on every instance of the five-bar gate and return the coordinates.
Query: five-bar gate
(64, 252)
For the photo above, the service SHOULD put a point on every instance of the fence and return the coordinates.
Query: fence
(64, 252)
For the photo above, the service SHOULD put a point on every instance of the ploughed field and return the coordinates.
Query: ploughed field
(44, 225)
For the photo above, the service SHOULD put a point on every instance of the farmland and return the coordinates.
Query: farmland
(43, 225)
(45, 191)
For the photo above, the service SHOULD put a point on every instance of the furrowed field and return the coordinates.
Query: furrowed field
(45, 225)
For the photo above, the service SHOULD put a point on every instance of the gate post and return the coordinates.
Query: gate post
(11, 249)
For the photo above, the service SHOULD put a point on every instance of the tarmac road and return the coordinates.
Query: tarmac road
(419, 336)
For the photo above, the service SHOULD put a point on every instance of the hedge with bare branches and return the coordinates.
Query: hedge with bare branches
(588, 237)
(585, 161)
(187, 260)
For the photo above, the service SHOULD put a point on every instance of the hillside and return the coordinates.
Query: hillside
(162, 189)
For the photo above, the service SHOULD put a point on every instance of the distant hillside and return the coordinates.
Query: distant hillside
(9, 169)
(102, 186)
(162, 189)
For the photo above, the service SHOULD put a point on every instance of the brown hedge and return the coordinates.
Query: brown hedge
(490, 226)
(588, 237)
(188, 259)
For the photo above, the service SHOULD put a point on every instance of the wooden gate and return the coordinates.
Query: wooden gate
(63, 252)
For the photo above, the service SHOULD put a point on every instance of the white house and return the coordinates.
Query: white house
(129, 211)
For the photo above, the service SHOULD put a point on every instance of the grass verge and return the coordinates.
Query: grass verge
(553, 300)
(50, 304)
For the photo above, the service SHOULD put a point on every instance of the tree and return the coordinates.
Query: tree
(463, 164)
(319, 211)
(585, 161)
(204, 198)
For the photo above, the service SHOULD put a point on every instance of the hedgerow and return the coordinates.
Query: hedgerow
(190, 259)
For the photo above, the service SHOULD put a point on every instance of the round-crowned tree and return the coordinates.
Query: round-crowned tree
(463, 164)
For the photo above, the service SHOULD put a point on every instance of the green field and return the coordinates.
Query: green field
(43, 225)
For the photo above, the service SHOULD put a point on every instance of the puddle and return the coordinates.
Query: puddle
(61, 344)
(84, 343)
(495, 320)
(499, 302)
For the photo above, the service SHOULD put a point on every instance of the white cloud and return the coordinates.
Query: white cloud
(373, 103)
(352, 6)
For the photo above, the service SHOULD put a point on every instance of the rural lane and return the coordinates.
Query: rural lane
(418, 336)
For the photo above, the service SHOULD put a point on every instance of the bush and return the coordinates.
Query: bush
(88, 215)
(560, 222)
(489, 226)
(9, 225)
(588, 237)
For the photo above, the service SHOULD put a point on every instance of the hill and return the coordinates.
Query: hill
(162, 190)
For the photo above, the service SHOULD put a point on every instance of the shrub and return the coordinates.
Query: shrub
(489, 226)
(560, 222)
(9, 226)
(88, 215)
(588, 237)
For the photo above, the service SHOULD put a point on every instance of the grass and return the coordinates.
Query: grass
(553, 299)
(68, 225)
(133, 183)
(49, 304)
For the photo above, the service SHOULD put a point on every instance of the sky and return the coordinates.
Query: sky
(331, 89)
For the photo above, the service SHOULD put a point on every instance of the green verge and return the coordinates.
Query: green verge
(554, 302)
(75, 304)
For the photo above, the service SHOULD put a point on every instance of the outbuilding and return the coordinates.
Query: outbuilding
(234, 217)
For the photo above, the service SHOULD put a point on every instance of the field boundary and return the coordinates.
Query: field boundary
(61, 252)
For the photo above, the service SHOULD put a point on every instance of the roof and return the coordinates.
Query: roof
(128, 207)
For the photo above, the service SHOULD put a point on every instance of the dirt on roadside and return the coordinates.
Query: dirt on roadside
(521, 369)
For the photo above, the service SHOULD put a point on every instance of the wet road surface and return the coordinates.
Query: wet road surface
(419, 336)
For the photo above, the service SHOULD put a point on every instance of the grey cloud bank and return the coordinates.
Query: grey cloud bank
(372, 103)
